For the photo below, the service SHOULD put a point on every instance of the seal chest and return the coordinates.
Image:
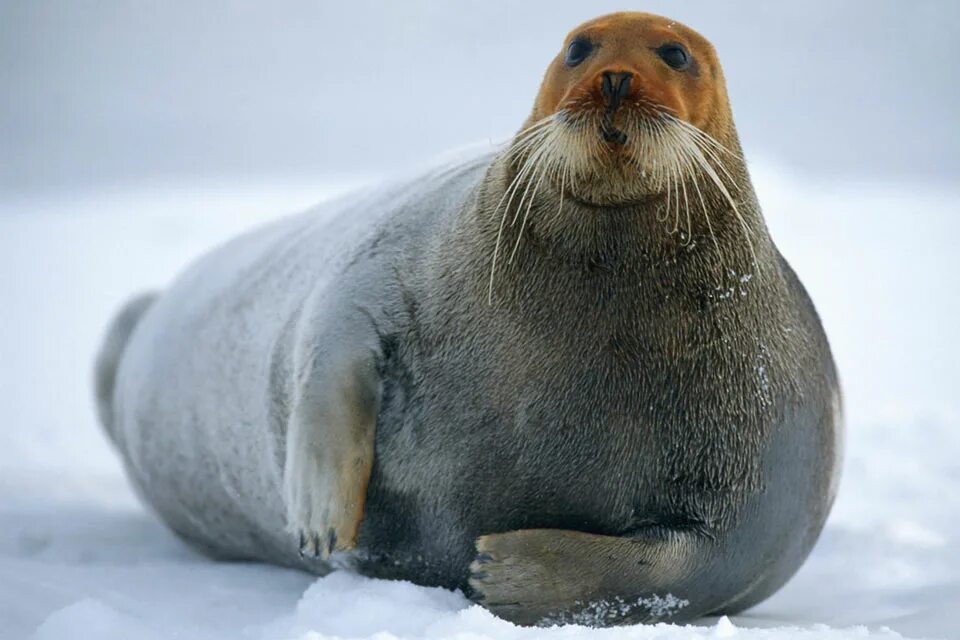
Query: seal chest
(574, 378)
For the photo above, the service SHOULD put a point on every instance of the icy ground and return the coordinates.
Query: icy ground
(80, 558)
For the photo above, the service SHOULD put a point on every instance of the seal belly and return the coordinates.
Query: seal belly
(567, 432)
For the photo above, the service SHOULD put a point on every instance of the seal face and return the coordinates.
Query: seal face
(651, 86)
(575, 378)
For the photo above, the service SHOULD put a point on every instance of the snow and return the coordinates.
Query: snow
(81, 558)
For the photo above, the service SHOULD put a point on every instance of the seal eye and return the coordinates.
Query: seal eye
(578, 51)
(675, 55)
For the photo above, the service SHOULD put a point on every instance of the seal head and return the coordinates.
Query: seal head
(630, 151)
(630, 104)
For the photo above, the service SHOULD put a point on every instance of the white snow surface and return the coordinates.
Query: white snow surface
(81, 558)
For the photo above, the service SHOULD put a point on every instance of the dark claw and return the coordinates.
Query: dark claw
(483, 557)
(331, 540)
(476, 594)
(479, 575)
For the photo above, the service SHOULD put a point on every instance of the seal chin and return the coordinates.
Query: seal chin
(608, 202)
(601, 204)
(612, 169)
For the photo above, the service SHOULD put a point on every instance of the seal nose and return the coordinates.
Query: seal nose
(615, 85)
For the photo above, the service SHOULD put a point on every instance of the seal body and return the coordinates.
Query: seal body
(616, 424)
(206, 385)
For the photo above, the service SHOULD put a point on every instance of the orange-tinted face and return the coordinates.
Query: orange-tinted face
(628, 109)
(654, 62)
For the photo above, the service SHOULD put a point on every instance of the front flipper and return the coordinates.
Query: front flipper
(329, 456)
(553, 576)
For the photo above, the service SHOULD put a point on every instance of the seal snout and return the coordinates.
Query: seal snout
(614, 85)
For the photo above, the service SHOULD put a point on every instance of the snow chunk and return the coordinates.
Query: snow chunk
(95, 619)
(724, 628)
(394, 608)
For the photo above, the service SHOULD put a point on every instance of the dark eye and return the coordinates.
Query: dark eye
(675, 55)
(578, 51)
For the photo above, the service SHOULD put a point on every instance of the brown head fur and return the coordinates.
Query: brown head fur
(628, 42)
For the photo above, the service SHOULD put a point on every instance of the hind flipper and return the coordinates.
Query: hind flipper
(108, 358)
(553, 576)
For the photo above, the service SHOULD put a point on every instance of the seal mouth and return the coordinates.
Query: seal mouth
(622, 154)
(634, 126)
(610, 133)
(601, 157)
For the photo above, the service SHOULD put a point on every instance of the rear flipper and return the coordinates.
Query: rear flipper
(108, 358)
(553, 576)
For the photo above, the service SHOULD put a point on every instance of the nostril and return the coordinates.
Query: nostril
(623, 88)
(606, 85)
(615, 85)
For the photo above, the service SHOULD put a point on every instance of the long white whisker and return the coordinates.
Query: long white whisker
(536, 159)
(666, 210)
(687, 144)
(699, 152)
(681, 178)
(704, 136)
(529, 163)
(523, 224)
(733, 205)
(511, 190)
(707, 144)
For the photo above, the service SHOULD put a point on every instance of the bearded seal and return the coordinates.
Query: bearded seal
(574, 378)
